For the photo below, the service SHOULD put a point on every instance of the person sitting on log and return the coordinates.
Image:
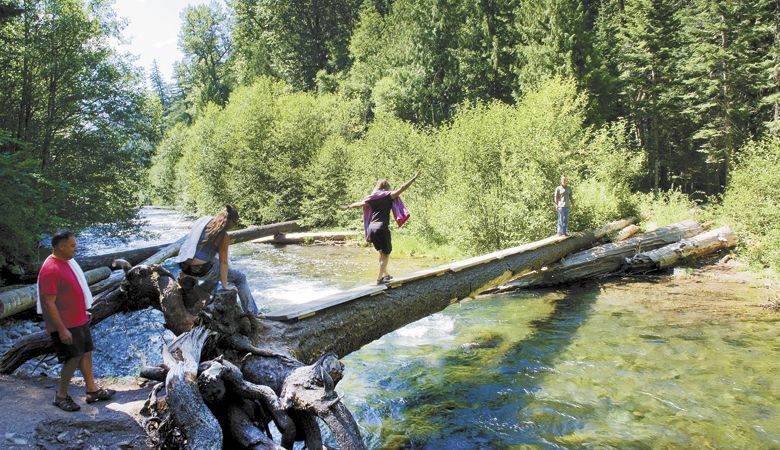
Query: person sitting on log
(564, 201)
(63, 299)
(204, 255)
(376, 219)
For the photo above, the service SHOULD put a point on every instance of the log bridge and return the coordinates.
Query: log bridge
(233, 373)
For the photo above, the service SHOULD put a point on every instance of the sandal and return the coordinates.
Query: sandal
(384, 280)
(65, 404)
(100, 394)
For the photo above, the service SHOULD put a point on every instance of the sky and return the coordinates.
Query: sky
(152, 31)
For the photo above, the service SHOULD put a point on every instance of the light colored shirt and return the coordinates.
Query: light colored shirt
(190, 245)
(564, 196)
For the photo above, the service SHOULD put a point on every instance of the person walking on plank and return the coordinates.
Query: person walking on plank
(376, 219)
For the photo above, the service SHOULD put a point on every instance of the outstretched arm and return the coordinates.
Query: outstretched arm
(394, 195)
(353, 205)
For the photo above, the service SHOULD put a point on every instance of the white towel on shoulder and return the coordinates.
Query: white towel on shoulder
(190, 244)
(74, 266)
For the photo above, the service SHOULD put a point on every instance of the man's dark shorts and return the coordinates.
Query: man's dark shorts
(82, 343)
(380, 237)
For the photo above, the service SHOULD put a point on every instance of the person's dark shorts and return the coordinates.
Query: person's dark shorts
(197, 270)
(82, 343)
(380, 237)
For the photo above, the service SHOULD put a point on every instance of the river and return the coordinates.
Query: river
(687, 361)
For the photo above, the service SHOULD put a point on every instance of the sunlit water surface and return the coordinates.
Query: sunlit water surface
(657, 364)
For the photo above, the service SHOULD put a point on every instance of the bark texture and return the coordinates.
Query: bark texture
(669, 255)
(602, 259)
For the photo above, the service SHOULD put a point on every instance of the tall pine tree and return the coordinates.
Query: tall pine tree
(647, 41)
(158, 85)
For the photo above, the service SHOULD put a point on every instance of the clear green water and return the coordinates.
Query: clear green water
(622, 366)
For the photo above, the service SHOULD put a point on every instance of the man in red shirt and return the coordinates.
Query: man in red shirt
(67, 320)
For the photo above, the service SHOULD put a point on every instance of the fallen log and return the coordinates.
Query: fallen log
(200, 427)
(304, 238)
(21, 299)
(601, 259)
(104, 285)
(669, 255)
(137, 255)
(627, 232)
(297, 358)
(133, 256)
(258, 231)
(347, 326)
(37, 344)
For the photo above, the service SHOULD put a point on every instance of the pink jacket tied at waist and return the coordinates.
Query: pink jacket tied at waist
(400, 212)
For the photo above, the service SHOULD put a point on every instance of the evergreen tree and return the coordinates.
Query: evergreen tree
(158, 85)
(405, 62)
(727, 69)
(485, 53)
(553, 41)
(294, 39)
(648, 40)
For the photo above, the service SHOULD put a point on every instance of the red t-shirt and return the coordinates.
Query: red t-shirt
(57, 278)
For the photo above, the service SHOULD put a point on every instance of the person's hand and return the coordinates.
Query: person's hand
(89, 317)
(226, 287)
(344, 206)
(65, 336)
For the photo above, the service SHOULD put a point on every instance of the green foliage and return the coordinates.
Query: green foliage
(487, 181)
(262, 153)
(750, 203)
(82, 127)
(326, 185)
(660, 208)
(553, 41)
(293, 40)
(504, 163)
(206, 73)
(21, 192)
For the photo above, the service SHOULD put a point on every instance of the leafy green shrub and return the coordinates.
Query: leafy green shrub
(488, 176)
(257, 153)
(664, 208)
(751, 204)
(24, 214)
(504, 162)
(162, 174)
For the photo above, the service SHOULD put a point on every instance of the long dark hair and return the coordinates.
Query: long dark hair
(220, 224)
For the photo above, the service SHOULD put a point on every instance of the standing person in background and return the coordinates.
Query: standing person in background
(204, 255)
(564, 201)
(376, 219)
(63, 299)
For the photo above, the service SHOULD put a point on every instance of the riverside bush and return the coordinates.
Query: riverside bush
(503, 163)
(488, 175)
(750, 203)
(664, 208)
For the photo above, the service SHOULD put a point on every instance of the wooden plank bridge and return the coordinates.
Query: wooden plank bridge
(368, 292)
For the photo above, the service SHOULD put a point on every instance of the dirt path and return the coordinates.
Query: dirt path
(30, 421)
